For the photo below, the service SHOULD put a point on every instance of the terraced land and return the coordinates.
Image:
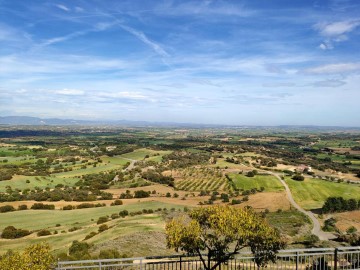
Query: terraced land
(202, 179)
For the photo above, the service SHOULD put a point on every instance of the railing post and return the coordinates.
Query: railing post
(180, 262)
(297, 260)
(141, 266)
(335, 258)
(100, 266)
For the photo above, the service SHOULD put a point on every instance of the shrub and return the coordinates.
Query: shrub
(234, 201)
(41, 206)
(250, 174)
(117, 202)
(43, 233)
(298, 177)
(68, 207)
(109, 254)
(80, 250)
(141, 194)
(22, 207)
(102, 220)
(123, 213)
(73, 229)
(6, 208)
(10, 232)
(115, 216)
(92, 234)
(103, 228)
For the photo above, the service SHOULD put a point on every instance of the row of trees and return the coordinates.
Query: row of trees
(339, 204)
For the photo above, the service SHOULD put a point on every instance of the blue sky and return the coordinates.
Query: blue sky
(255, 62)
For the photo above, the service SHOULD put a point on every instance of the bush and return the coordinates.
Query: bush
(73, 229)
(141, 194)
(123, 213)
(6, 208)
(43, 233)
(68, 207)
(103, 228)
(41, 206)
(102, 220)
(90, 235)
(117, 202)
(85, 205)
(22, 207)
(298, 177)
(115, 216)
(79, 250)
(234, 201)
(109, 254)
(10, 232)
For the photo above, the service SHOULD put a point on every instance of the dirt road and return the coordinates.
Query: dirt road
(316, 230)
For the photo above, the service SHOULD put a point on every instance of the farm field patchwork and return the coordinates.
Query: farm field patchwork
(312, 193)
(269, 182)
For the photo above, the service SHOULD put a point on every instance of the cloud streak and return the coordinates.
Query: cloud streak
(335, 32)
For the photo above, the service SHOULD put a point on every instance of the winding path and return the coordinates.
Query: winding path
(316, 230)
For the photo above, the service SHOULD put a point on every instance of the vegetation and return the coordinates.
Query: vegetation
(221, 232)
(339, 204)
(78, 176)
(36, 256)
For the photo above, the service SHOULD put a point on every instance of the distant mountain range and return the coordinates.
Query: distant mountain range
(36, 121)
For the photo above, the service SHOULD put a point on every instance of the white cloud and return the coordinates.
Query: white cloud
(333, 68)
(335, 32)
(337, 28)
(141, 36)
(70, 92)
(124, 94)
(63, 7)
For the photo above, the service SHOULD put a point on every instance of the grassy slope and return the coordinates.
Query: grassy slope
(139, 154)
(288, 222)
(270, 183)
(312, 193)
(85, 218)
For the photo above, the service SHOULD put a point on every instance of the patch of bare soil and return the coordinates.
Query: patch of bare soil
(268, 200)
(347, 219)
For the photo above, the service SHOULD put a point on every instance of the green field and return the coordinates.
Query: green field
(139, 154)
(312, 193)
(85, 218)
(19, 182)
(288, 222)
(269, 182)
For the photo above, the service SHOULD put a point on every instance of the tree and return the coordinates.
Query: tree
(221, 232)
(34, 257)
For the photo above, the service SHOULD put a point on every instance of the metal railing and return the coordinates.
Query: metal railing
(292, 259)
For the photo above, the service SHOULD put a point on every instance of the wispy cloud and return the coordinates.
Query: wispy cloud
(63, 7)
(70, 92)
(333, 68)
(329, 83)
(101, 26)
(335, 32)
(142, 37)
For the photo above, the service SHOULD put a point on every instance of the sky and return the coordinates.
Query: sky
(252, 62)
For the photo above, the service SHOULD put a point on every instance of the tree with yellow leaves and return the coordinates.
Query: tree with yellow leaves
(217, 233)
(35, 257)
